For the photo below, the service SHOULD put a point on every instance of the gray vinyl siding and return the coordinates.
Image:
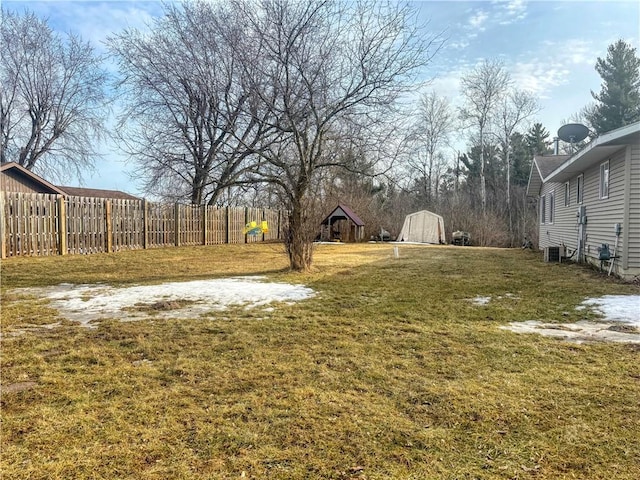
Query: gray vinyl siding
(634, 212)
(602, 214)
(563, 230)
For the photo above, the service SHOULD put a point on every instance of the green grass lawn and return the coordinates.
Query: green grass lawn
(389, 372)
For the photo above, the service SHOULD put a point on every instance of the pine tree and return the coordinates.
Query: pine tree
(618, 103)
(537, 139)
(521, 160)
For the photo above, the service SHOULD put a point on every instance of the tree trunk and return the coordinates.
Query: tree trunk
(299, 241)
(483, 183)
(511, 239)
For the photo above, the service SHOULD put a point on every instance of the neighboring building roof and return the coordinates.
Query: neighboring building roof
(560, 168)
(98, 193)
(25, 177)
(342, 212)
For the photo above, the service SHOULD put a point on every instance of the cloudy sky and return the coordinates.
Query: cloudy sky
(549, 48)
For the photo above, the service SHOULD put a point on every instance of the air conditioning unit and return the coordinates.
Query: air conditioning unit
(554, 254)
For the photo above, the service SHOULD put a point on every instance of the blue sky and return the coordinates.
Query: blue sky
(549, 48)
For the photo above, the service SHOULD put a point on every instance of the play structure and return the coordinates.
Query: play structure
(255, 228)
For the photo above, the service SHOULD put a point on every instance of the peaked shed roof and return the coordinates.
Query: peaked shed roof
(15, 170)
(342, 212)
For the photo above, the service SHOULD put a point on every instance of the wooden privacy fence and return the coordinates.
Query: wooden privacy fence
(41, 224)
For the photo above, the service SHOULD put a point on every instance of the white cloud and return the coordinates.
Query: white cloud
(564, 61)
(514, 10)
(96, 22)
(539, 76)
(477, 20)
(461, 45)
(92, 20)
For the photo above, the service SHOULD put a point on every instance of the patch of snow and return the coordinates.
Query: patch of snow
(511, 296)
(480, 300)
(86, 303)
(485, 300)
(615, 309)
(578, 332)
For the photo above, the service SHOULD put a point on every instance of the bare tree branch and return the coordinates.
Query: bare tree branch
(52, 98)
(319, 65)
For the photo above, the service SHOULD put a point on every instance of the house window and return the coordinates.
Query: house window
(567, 198)
(579, 188)
(543, 207)
(604, 180)
(551, 206)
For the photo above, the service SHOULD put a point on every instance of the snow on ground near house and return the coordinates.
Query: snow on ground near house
(616, 308)
(86, 303)
(620, 322)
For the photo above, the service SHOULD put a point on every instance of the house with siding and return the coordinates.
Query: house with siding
(589, 202)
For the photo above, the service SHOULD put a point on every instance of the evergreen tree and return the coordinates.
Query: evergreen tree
(537, 139)
(618, 103)
(521, 160)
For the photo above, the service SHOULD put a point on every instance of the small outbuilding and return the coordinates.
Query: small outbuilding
(423, 227)
(342, 224)
(15, 178)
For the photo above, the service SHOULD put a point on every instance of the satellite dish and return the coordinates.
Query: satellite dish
(573, 132)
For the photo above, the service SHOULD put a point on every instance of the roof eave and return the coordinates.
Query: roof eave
(595, 151)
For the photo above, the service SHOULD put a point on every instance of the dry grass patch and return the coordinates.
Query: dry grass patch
(390, 372)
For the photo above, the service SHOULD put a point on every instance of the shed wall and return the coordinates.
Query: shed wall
(18, 183)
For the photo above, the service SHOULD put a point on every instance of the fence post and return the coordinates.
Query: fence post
(108, 219)
(204, 224)
(279, 235)
(246, 220)
(145, 224)
(62, 225)
(3, 224)
(177, 224)
(228, 226)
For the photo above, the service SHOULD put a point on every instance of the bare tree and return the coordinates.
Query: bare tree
(191, 121)
(482, 89)
(433, 125)
(322, 63)
(52, 98)
(513, 109)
